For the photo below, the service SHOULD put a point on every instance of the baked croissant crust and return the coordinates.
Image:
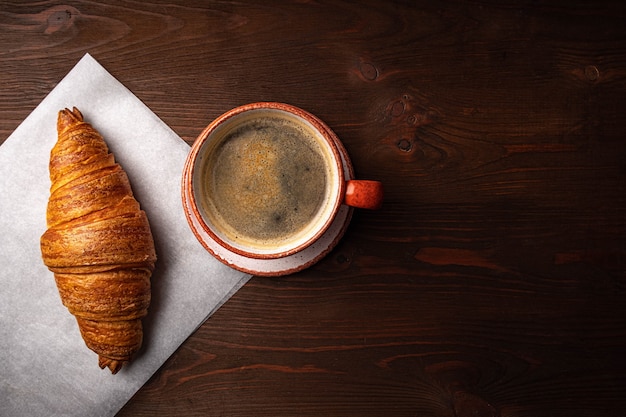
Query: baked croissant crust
(98, 243)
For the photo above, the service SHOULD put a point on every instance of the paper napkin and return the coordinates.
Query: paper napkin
(45, 367)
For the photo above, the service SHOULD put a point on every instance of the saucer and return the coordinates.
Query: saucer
(278, 266)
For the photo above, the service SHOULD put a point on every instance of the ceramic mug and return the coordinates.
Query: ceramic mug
(265, 182)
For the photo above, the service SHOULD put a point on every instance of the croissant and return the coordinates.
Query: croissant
(98, 242)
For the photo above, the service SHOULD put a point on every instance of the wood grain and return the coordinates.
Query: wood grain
(492, 281)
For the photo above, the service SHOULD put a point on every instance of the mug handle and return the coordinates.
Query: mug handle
(365, 194)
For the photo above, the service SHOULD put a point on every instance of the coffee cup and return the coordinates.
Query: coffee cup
(265, 181)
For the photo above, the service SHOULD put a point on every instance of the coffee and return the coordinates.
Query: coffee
(265, 181)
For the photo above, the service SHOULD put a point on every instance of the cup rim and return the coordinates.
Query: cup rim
(337, 166)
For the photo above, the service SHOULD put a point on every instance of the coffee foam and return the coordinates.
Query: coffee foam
(267, 181)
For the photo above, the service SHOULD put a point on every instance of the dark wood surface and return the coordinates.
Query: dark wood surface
(491, 283)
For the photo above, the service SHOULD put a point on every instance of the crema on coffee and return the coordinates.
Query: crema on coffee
(265, 180)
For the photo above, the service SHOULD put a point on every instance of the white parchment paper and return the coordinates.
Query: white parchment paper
(45, 367)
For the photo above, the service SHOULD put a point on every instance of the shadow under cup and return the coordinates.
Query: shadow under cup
(267, 181)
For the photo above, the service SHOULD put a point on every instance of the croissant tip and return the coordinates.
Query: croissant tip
(69, 117)
(112, 364)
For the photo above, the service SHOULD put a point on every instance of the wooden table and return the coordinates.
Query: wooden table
(492, 281)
